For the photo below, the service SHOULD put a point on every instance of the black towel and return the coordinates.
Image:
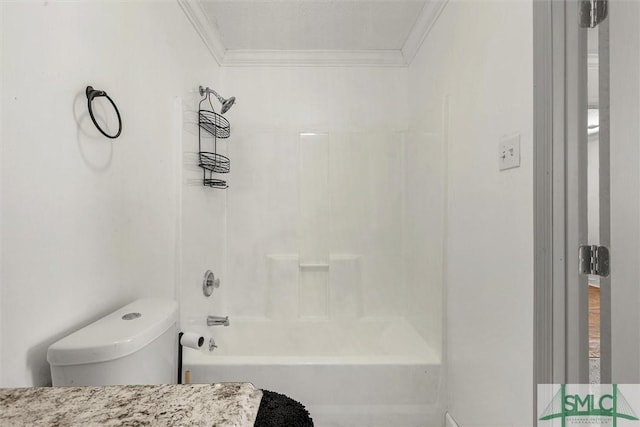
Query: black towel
(278, 410)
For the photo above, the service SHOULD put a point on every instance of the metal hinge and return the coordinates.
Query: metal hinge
(594, 260)
(592, 12)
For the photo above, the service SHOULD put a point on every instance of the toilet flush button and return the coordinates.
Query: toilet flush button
(131, 316)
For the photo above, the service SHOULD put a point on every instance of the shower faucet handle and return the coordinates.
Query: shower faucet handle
(209, 283)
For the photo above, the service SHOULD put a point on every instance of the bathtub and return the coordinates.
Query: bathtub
(350, 373)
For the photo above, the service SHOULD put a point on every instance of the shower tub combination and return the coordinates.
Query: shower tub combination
(369, 372)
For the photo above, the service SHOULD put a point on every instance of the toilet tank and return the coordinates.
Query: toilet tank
(136, 344)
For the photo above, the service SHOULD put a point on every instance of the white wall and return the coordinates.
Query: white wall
(479, 56)
(87, 223)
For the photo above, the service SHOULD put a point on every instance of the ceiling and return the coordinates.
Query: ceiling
(366, 32)
(310, 25)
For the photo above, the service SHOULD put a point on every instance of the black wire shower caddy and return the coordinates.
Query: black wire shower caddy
(216, 126)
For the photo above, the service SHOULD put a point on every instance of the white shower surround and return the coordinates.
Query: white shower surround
(333, 140)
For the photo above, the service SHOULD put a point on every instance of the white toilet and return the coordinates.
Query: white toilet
(136, 344)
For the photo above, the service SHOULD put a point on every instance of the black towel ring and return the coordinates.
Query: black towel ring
(92, 93)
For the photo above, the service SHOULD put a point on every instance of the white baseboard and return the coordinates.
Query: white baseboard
(449, 421)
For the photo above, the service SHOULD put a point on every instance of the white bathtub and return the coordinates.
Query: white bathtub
(372, 372)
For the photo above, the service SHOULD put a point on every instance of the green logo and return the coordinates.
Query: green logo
(589, 407)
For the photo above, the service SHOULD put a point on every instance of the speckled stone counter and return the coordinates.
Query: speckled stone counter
(219, 405)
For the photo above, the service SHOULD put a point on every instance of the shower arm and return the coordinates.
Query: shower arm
(207, 90)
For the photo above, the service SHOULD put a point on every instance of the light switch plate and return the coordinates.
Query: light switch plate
(509, 152)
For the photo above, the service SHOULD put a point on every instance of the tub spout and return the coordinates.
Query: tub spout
(217, 321)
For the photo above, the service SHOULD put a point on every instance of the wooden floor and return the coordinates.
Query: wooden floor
(594, 321)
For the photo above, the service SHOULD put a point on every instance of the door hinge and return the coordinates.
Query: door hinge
(592, 12)
(594, 260)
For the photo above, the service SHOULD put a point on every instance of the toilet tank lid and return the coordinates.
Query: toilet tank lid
(116, 335)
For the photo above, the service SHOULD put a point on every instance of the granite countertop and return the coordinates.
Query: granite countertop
(218, 405)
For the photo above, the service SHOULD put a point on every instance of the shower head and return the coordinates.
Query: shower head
(226, 103)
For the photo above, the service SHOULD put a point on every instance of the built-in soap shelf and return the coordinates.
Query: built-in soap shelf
(314, 289)
(314, 265)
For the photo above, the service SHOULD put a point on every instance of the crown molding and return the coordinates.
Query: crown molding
(331, 58)
(425, 22)
(205, 28)
(327, 58)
